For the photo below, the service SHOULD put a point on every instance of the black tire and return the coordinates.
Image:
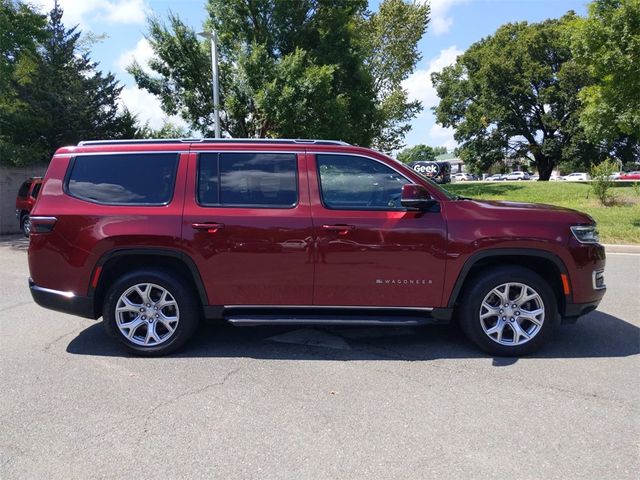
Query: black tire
(25, 224)
(187, 304)
(480, 285)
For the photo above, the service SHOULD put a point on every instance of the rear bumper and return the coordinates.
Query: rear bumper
(66, 302)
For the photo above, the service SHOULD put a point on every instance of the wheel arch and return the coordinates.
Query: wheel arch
(120, 261)
(545, 263)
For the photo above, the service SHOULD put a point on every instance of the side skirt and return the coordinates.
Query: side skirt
(314, 315)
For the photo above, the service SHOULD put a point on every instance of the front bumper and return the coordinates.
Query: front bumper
(573, 311)
(66, 302)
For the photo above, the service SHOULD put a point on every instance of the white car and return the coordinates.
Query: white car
(577, 177)
(518, 176)
(461, 177)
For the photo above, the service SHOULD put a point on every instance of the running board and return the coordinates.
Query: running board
(369, 320)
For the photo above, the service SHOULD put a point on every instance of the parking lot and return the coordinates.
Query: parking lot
(297, 403)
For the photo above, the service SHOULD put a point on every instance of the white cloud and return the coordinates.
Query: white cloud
(443, 136)
(147, 107)
(419, 86)
(142, 53)
(83, 12)
(441, 21)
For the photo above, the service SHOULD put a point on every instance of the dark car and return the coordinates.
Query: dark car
(155, 235)
(439, 172)
(25, 200)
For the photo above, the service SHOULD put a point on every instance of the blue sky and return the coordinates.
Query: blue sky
(455, 25)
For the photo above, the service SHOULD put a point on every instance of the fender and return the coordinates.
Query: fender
(502, 252)
(186, 259)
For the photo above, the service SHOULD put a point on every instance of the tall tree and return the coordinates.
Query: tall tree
(515, 94)
(21, 30)
(417, 153)
(66, 99)
(607, 45)
(310, 68)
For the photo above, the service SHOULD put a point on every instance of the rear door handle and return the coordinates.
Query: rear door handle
(209, 227)
(339, 229)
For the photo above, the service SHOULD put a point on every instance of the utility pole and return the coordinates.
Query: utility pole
(214, 73)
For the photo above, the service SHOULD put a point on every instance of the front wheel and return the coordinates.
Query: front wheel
(508, 311)
(150, 312)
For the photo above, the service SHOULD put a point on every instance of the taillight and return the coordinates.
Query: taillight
(42, 224)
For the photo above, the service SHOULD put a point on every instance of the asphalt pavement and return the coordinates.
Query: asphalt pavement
(303, 403)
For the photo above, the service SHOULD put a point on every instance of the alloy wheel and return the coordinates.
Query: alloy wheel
(147, 314)
(512, 314)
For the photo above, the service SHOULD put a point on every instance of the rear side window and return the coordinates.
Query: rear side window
(124, 179)
(24, 189)
(267, 180)
(36, 190)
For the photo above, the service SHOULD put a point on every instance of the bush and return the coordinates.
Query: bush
(601, 182)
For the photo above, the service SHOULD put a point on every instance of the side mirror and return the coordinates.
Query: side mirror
(416, 196)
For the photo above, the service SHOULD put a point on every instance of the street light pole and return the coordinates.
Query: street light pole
(214, 73)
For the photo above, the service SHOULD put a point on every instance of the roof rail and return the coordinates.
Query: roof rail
(297, 141)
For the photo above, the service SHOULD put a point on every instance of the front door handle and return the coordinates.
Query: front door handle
(339, 229)
(209, 227)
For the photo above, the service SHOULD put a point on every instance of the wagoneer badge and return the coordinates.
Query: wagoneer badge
(400, 281)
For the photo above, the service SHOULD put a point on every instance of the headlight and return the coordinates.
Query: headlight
(585, 233)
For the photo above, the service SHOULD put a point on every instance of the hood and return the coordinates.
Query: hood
(530, 211)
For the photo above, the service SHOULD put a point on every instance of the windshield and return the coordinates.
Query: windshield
(443, 191)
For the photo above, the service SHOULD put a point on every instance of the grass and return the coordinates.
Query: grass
(617, 223)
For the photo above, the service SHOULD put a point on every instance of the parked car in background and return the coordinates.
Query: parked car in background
(555, 178)
(535, 177)
(495, 178)
(462, 177)
(630, 176)
(439, 172)
(577, 177)
(517, 176)
(616, 175)
(25, 200)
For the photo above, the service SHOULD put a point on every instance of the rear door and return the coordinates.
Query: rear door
(247, 225)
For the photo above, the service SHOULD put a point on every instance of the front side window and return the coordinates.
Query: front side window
(267, 180)
(349, 182)
(124, 179)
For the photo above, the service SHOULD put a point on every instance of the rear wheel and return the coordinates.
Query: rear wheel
(150, 312)
(508, 311)
(25, 222)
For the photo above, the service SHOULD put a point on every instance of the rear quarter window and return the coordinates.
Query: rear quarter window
(123, 179)
(23, 191)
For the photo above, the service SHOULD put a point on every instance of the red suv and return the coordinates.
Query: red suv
(25, 200)
(155, 235)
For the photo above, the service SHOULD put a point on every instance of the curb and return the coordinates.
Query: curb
(610, 248)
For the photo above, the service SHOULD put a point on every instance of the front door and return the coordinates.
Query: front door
(247, 225)
(370, 251)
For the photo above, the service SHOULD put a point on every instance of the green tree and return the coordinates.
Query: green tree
(417, 153)
(67, 99)
(515, 94)
(167, 130)
(607, 45)
(310, 68)
(21, 31)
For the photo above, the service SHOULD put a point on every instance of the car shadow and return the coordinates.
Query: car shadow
(596, 335)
